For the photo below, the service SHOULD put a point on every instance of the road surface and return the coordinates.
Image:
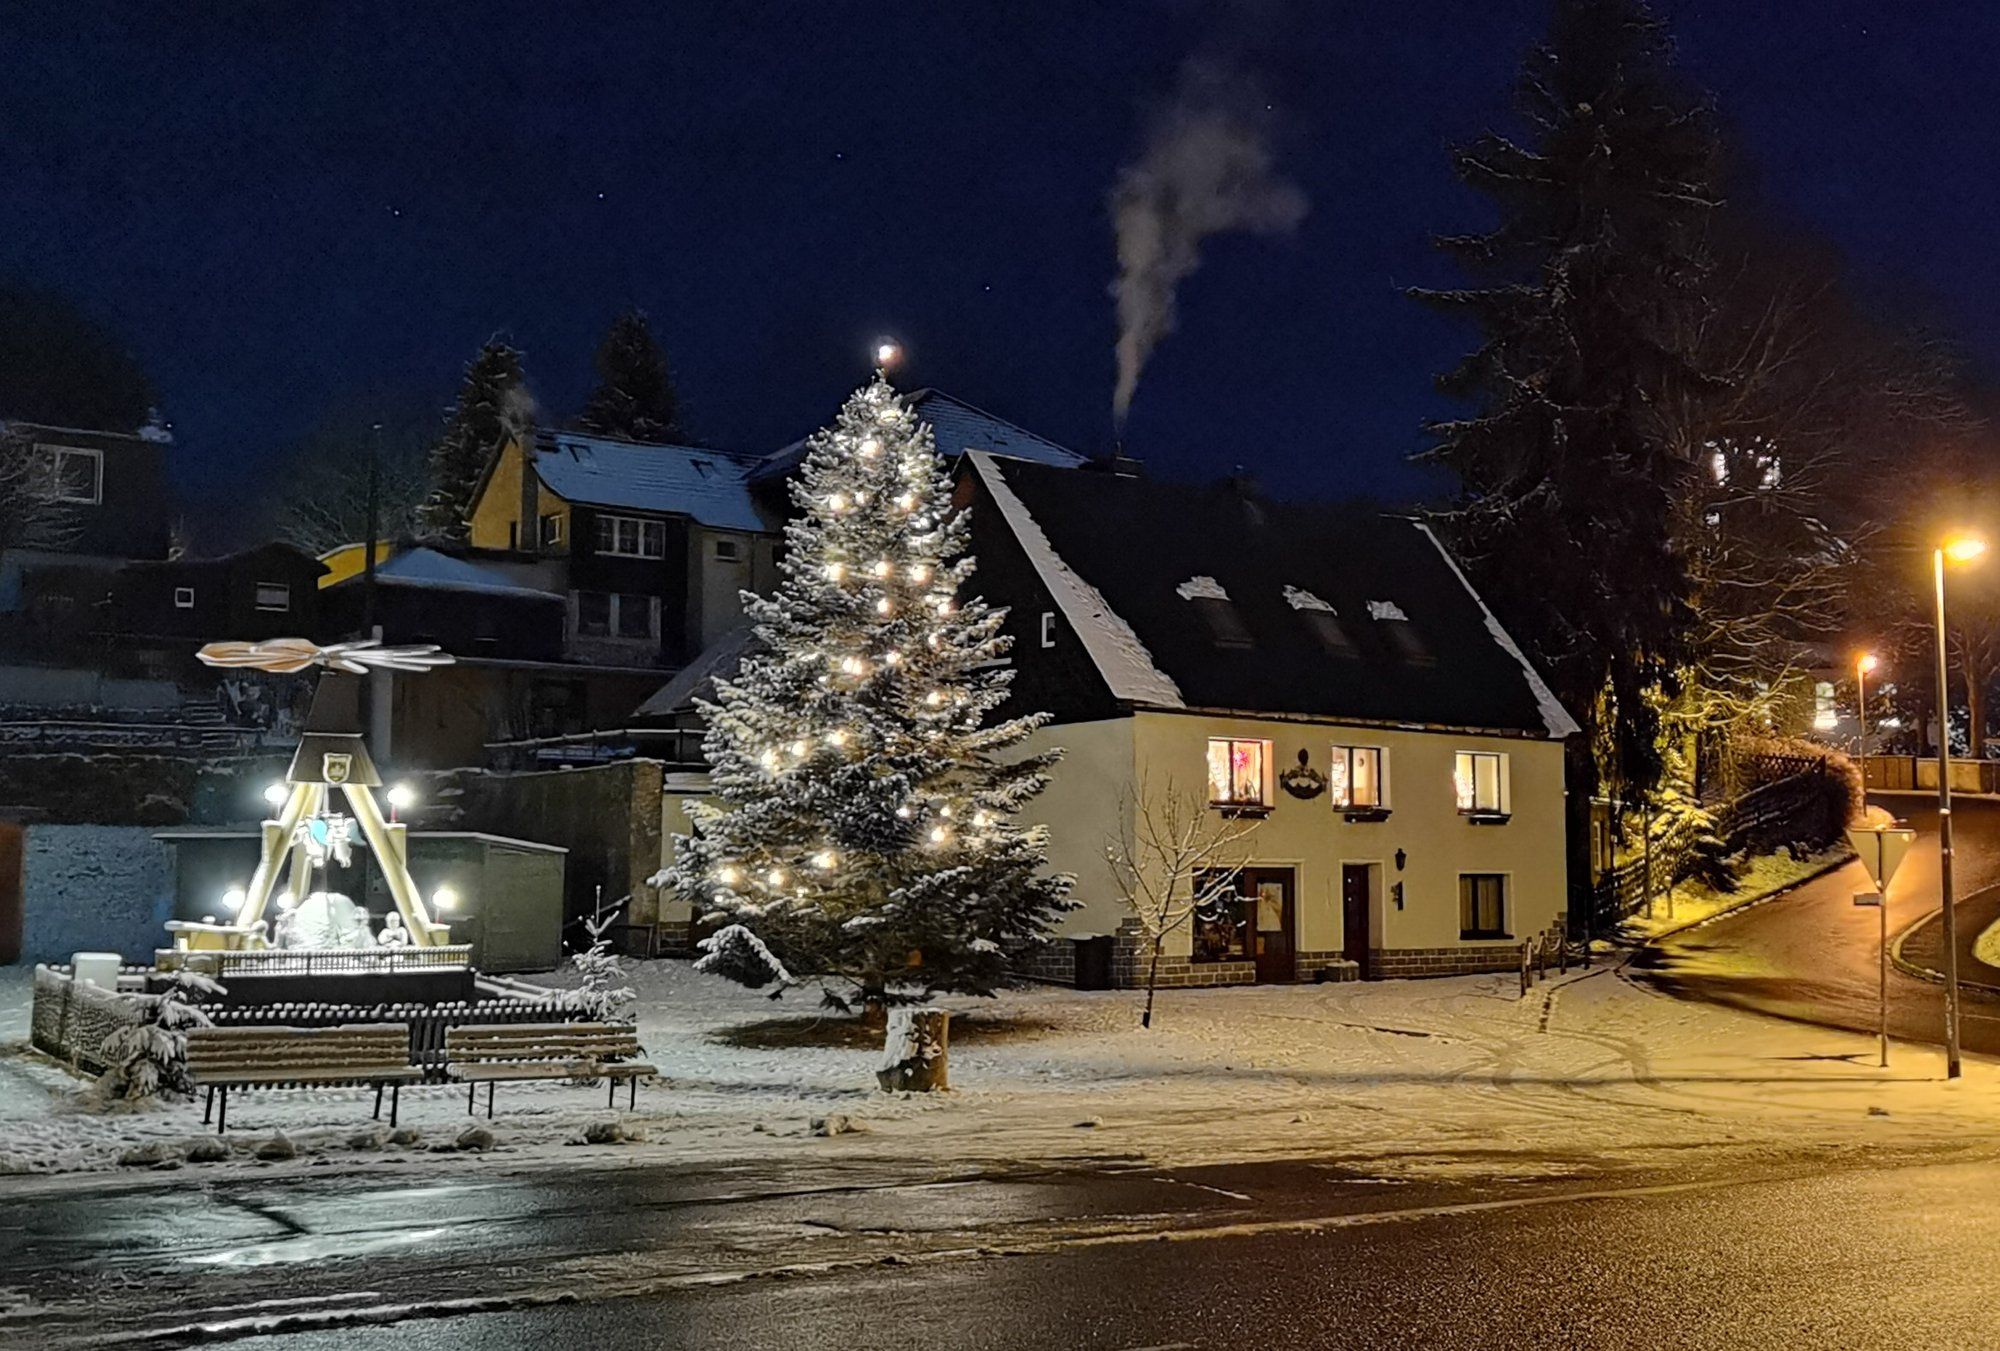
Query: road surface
(1897, 1254)
(1811, 954)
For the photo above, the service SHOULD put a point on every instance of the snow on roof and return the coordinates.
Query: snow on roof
(1123, 661)
(958, 427)
(1386, 609)
(710, 486)
(1201, 588)
(1560, 723)
(428, 567)
(1301, 599)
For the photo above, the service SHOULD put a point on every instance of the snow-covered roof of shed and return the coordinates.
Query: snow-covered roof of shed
(710, 486)
(1300, 581)
(423, 567)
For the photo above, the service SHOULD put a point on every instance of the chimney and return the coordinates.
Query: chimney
(528, 538)
(1118, 464)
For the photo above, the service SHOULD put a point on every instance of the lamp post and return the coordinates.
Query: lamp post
(1962, 549)
(1863, 664)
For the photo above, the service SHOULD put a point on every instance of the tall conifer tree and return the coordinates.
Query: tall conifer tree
(493, 405)
(1583, 293)
(635, 392)
(863, 831)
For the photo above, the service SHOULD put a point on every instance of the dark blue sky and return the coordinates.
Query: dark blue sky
(289, 210)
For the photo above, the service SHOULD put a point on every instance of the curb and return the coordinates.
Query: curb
(1910, 968)
(1746, 902)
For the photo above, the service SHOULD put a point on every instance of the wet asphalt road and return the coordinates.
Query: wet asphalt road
(1868, 1257)
(1811, 955)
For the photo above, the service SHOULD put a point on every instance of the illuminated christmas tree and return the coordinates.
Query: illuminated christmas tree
(862, 831)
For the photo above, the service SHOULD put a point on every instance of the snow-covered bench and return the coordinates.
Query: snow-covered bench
(488, 1054)
(222, 1058)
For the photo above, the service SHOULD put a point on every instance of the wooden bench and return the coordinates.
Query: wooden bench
(488, 1054)
(222, 1058)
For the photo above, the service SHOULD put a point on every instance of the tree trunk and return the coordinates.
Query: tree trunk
(1152, 979)
(914, 1052)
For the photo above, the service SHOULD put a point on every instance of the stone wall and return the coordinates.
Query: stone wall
(93, 889)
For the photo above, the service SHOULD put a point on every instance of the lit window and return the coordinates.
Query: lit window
(1238, 772)
(1482, 905)
(78, 474)
(1354, 778)
(1825, 715)
(1048, 628)
(1480, 780)
(274, 596)
(183, 598)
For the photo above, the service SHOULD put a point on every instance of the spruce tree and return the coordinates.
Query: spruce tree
(862, 831)
(493, 406)
(1588, 295)
(635, 393)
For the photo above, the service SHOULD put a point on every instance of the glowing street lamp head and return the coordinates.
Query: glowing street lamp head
(1963, 548)
(276, 793)
(401, 797)
(232, 899)
(444, 900)
(887, 352)
(1866, 662)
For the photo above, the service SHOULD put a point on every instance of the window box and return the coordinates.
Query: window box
(1240, 775)
(1480, 818)
(1364, 815)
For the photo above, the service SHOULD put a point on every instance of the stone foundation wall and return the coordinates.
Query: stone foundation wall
(1051, 963)
(1327, 966)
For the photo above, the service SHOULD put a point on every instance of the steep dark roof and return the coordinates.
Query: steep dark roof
(697, 679)
(958, 427)
(1208, 598)
(711, 486)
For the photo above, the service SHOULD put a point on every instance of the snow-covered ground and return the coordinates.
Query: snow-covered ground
(1762, 877)
(1447, 1075)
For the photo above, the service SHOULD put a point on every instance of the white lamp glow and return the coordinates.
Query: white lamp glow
(276, 793)
(444, 899)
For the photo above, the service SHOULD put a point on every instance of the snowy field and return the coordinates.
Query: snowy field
(1445, 1076)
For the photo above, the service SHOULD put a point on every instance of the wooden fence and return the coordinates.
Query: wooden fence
(1799, 808)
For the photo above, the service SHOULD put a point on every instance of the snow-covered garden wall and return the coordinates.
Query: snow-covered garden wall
(93, 889)
(71, 1021)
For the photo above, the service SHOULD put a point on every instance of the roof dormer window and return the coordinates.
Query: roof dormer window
(1212, 603)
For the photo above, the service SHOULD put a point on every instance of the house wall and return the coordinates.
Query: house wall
(716, 601)
(498, 507)
(1314, 840)
(1085, 808)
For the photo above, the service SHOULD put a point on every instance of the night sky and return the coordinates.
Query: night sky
(292, 211)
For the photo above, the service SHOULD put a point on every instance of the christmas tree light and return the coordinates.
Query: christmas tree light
(910, 680)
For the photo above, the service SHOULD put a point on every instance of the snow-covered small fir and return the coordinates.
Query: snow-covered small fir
(862, 831)
(148, 1058)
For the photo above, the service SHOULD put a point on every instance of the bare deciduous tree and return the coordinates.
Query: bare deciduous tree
(32, 512)
(1176, 856)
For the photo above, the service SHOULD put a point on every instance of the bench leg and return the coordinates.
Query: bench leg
(395, 1102)
(470, 1089)
(632, 1095)
(610, 1091)
(208, 1107)
(222, 1112)
(378, 1102)
(489, 1099)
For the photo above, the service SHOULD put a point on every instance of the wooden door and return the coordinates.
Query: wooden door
(1273, 923)
(1354, 915)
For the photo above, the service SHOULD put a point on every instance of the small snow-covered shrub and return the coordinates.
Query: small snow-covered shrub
(603, 994)
(735, 953)
(149, 1058)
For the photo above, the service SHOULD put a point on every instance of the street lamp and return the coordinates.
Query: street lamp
(1959, 549)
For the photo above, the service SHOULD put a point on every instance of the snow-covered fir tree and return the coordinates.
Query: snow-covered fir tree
(148, 1058)
(601, 990)
(862, 832)
(493, 405)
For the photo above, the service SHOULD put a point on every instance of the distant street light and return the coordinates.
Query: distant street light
(888, 352)
(1960, 549)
